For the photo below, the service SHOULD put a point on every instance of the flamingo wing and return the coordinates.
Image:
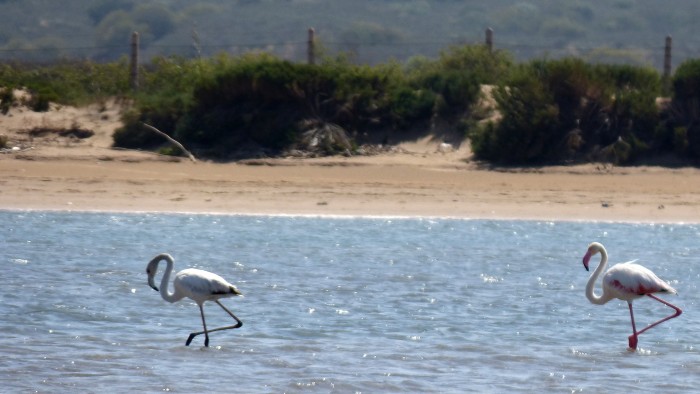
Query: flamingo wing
(630, 280)
(202, 285)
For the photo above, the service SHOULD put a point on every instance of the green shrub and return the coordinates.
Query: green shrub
(680, 140)
(41, 98)
(478, 62)
(623, 111)
(529, 130)
(424, 91)
(684, 111)
(73, 83)
(163, 100)
(567, 109)
(133, 135)
(217, 105)
(409, 105)
(7, 99)
(686, 81)
(256, 100)
(268, 101)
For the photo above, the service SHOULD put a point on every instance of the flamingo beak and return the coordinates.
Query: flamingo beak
(586, 258)
(150, 283)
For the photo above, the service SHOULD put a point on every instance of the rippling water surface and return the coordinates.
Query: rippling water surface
(338, 305)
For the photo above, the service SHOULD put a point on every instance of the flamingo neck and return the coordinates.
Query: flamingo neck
(592, 297)
(164, 292)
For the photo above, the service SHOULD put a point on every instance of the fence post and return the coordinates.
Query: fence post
(134, 65)
(667, 63)
(196, 43)
(489, 39)
(311, 47)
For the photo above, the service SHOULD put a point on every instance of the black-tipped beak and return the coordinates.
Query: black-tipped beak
(586, 258)
(154, 288)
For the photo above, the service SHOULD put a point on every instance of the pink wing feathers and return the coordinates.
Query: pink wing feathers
(630, 281)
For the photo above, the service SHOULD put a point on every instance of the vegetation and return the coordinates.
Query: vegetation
(66, 82)
(564, 110)
(216, 106)
(372, 31)
(227, 107)
(680, 127)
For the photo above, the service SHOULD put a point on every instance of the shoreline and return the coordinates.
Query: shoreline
(344, 217)
(352, 187)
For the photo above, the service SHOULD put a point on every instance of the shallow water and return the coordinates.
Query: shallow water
(338, 305)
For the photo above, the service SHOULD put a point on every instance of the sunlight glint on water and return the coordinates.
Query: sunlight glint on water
(332, 304)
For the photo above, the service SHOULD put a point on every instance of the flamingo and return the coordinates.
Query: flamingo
(626, 281)
(196, 284)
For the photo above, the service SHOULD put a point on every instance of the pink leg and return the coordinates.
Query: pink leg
(678, 313)
(633, 337)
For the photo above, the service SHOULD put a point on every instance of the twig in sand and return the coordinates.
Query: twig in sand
(171, 139)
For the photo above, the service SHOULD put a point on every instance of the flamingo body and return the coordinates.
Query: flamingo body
(196, 284)
(628, 282)
(200, 285)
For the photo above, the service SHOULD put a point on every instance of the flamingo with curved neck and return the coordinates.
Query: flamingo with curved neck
(628, 282)
(195, 284)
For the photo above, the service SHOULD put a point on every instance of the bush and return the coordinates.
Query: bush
(529, 129)
(268, 101)
(7, 99)
(41, 98)
(163, 100)
(567, 109)
(686, 81)
(220, 104)
(409, 104)
(683, 118)
(552, 110)
(477, 61)
(133, 135)
(628, 109)
(73, 83)
(256, 100)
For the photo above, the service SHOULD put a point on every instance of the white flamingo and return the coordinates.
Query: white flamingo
(626, 281)
(196, 284)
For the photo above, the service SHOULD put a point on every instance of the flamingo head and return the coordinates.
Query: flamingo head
(151, 270)
(593, 249)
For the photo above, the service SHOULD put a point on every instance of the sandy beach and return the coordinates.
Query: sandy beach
(46, 171)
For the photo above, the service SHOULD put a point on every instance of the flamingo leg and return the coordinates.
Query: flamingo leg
(678, 313)
(238, 324)
(205, 332)
(632, 338)
(677, 309)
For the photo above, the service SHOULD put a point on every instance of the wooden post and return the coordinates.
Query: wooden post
(311, 47)
(666, 78)
(134, 65)
(196, 44)
(489, 39)
(667, 57)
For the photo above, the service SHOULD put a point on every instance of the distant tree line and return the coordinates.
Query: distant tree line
(370, 31)
(549, 111)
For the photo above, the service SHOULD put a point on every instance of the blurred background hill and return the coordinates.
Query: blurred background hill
(368, 31)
